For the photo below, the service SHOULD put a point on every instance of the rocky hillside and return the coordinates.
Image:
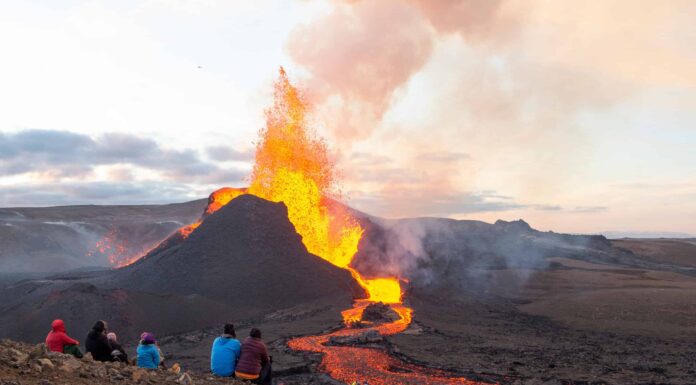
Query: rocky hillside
(55, 239)
(25, 364)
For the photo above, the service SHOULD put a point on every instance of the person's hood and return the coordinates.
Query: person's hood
(147, 338)
(58, 326)
(99, 327)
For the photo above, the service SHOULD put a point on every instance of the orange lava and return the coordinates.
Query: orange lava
(292, 166)
(216, 200)
(372, 365)
(221, 197)
(116, 249)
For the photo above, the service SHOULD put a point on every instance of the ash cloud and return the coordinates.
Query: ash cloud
(358, 56)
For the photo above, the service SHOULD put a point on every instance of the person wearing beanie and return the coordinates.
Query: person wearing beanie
(225, 353)
(97, 344)
(254, 363)
(148, 353)
(58, 340)
(117, 352)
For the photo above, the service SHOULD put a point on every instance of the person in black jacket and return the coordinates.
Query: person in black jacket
(97, 344)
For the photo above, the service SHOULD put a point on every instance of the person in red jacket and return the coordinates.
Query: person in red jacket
(57, 340)
(254, 362)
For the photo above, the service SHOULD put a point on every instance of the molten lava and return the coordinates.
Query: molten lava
(117, 249)
(373, 366)
(292, 166)
(216, 200)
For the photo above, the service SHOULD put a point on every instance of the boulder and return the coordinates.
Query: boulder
(18, 356)
(139, 374)
(39, 351)
(380, 313)
(185, 379)
(70, 365)
(46, 363)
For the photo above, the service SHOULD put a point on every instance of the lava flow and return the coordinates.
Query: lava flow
(117, 249)
(373, 366)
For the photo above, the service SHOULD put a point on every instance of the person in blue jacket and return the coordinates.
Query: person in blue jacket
(148, 354)
(225, 353)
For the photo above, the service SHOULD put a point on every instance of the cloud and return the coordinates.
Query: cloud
(473, 19)
(60, 154)
(56, 165)
(358, 55)
(433, 203)
(589, 209)
(69, 193)
(547, 207)
(444, 157)
(225, 153)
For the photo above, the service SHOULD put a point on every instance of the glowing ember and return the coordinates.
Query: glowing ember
(117, 249)
(187, 230)
(216, 200)
(222, 197)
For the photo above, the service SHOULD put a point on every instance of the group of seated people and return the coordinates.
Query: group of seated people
(248, 360)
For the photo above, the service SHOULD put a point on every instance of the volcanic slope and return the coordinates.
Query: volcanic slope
(247, 254)
(52, 239)
(244, 261)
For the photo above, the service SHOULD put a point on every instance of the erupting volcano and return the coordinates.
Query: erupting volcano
(292, 166)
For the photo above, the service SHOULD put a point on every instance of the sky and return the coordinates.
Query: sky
(574, 116)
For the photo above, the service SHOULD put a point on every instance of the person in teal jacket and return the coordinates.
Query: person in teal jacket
(148, 354)
(225, 353)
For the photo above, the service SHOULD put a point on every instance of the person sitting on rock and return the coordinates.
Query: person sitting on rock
(254, 363)
(97, 344)
(148, 353)
(225, 353)
(117, 352)
(58, 340)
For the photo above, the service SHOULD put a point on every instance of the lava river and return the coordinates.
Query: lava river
(369, 365)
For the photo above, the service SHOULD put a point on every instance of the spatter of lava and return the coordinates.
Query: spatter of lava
(117, 249)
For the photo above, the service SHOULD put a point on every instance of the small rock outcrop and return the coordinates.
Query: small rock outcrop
(379, 313)
(26, 364)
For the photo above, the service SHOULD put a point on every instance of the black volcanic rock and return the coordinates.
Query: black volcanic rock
(379, 312)
(246, 254)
